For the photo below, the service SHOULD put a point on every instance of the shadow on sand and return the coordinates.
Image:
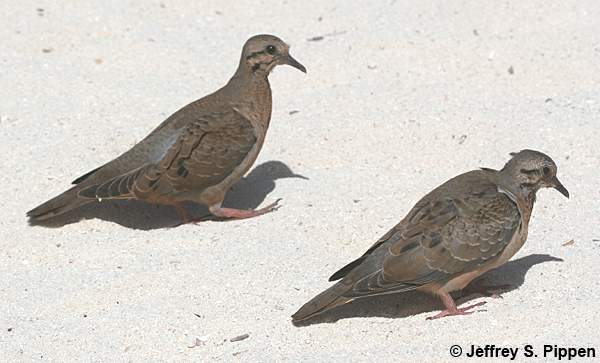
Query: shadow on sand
(412, 303)
(248, 193)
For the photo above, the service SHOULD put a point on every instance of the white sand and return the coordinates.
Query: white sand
(402, 96)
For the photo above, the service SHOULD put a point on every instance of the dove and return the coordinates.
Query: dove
(198, 152)
(471, 224)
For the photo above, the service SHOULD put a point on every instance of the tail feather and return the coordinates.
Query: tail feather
(60, 204)
(326, 300)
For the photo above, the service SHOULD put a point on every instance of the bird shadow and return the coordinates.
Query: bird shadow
(248, 193)
(511, 275)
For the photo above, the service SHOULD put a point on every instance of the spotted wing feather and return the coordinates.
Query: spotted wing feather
(446, 234)
(204, 154)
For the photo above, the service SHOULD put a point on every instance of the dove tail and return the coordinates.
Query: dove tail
(58, 205)
(326, 300)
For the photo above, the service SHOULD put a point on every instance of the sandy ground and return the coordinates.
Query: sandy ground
(399, 97)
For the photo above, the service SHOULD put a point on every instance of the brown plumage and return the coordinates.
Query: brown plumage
(197, 153)
(472, 223)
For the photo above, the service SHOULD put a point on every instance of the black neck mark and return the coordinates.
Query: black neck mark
(256, 66)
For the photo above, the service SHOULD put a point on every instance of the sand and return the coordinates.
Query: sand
(399, 97)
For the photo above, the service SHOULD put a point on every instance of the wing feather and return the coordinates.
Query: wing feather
(204, 154)
(461, 225)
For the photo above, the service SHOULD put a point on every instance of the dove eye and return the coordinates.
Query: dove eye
(546, 170)
(271, 49)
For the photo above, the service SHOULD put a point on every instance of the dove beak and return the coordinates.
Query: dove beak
(289, 60)
(561, 188)
(299, 176)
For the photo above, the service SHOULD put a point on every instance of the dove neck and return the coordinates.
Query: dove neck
(244, 81)
(253, 94)
(245, 72)
(512, 181)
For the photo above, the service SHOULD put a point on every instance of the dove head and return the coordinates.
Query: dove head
(533, 170)
(262, 53)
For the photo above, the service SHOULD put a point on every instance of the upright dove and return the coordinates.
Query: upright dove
(197, 153)
(469, 225)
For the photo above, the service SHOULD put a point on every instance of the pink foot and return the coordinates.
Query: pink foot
(243, 214)
(456, 311)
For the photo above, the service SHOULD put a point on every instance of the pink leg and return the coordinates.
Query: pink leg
(451, 308)
(182, 213)
(240, 213)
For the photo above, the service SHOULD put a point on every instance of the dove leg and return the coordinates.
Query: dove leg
(451, 308)
(182, 213)
(218, 211)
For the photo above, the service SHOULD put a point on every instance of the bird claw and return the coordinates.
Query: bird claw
(272, 207)
(456, 311)
(243, 214)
